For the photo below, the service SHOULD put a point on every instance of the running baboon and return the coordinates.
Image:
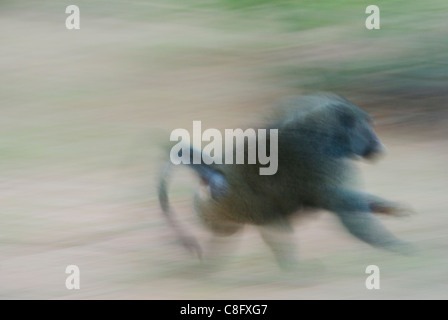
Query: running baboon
(318, 136)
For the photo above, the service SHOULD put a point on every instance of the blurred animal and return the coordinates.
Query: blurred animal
(318, 137)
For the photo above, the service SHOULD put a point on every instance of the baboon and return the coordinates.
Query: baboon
(319, 136)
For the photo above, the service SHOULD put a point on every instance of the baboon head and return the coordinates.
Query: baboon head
(356, 133)
(335, 126)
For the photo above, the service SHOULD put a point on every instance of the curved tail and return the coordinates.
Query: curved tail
(213, 179)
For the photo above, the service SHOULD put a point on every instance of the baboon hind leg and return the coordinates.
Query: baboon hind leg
(221, 243)
(279, 238)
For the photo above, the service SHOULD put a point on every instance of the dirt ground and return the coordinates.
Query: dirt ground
(83, 115)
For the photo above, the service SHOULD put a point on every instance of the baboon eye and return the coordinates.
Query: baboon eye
(347, 120)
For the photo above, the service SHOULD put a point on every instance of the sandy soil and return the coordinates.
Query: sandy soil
(83, 116)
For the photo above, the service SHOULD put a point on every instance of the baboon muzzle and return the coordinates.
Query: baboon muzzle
(376, 149)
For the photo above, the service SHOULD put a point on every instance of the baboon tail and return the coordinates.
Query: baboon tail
(218, 187)
(187, 240)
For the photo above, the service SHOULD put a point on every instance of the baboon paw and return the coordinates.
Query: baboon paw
(396, 210)
(402, 210)
(192, 245)
(404, 248)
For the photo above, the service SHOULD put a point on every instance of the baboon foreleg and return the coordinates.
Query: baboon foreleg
(354, 210)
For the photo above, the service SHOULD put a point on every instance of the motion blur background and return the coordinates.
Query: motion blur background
(83, 114)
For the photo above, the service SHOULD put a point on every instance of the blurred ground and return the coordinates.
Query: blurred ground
(83, 114)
